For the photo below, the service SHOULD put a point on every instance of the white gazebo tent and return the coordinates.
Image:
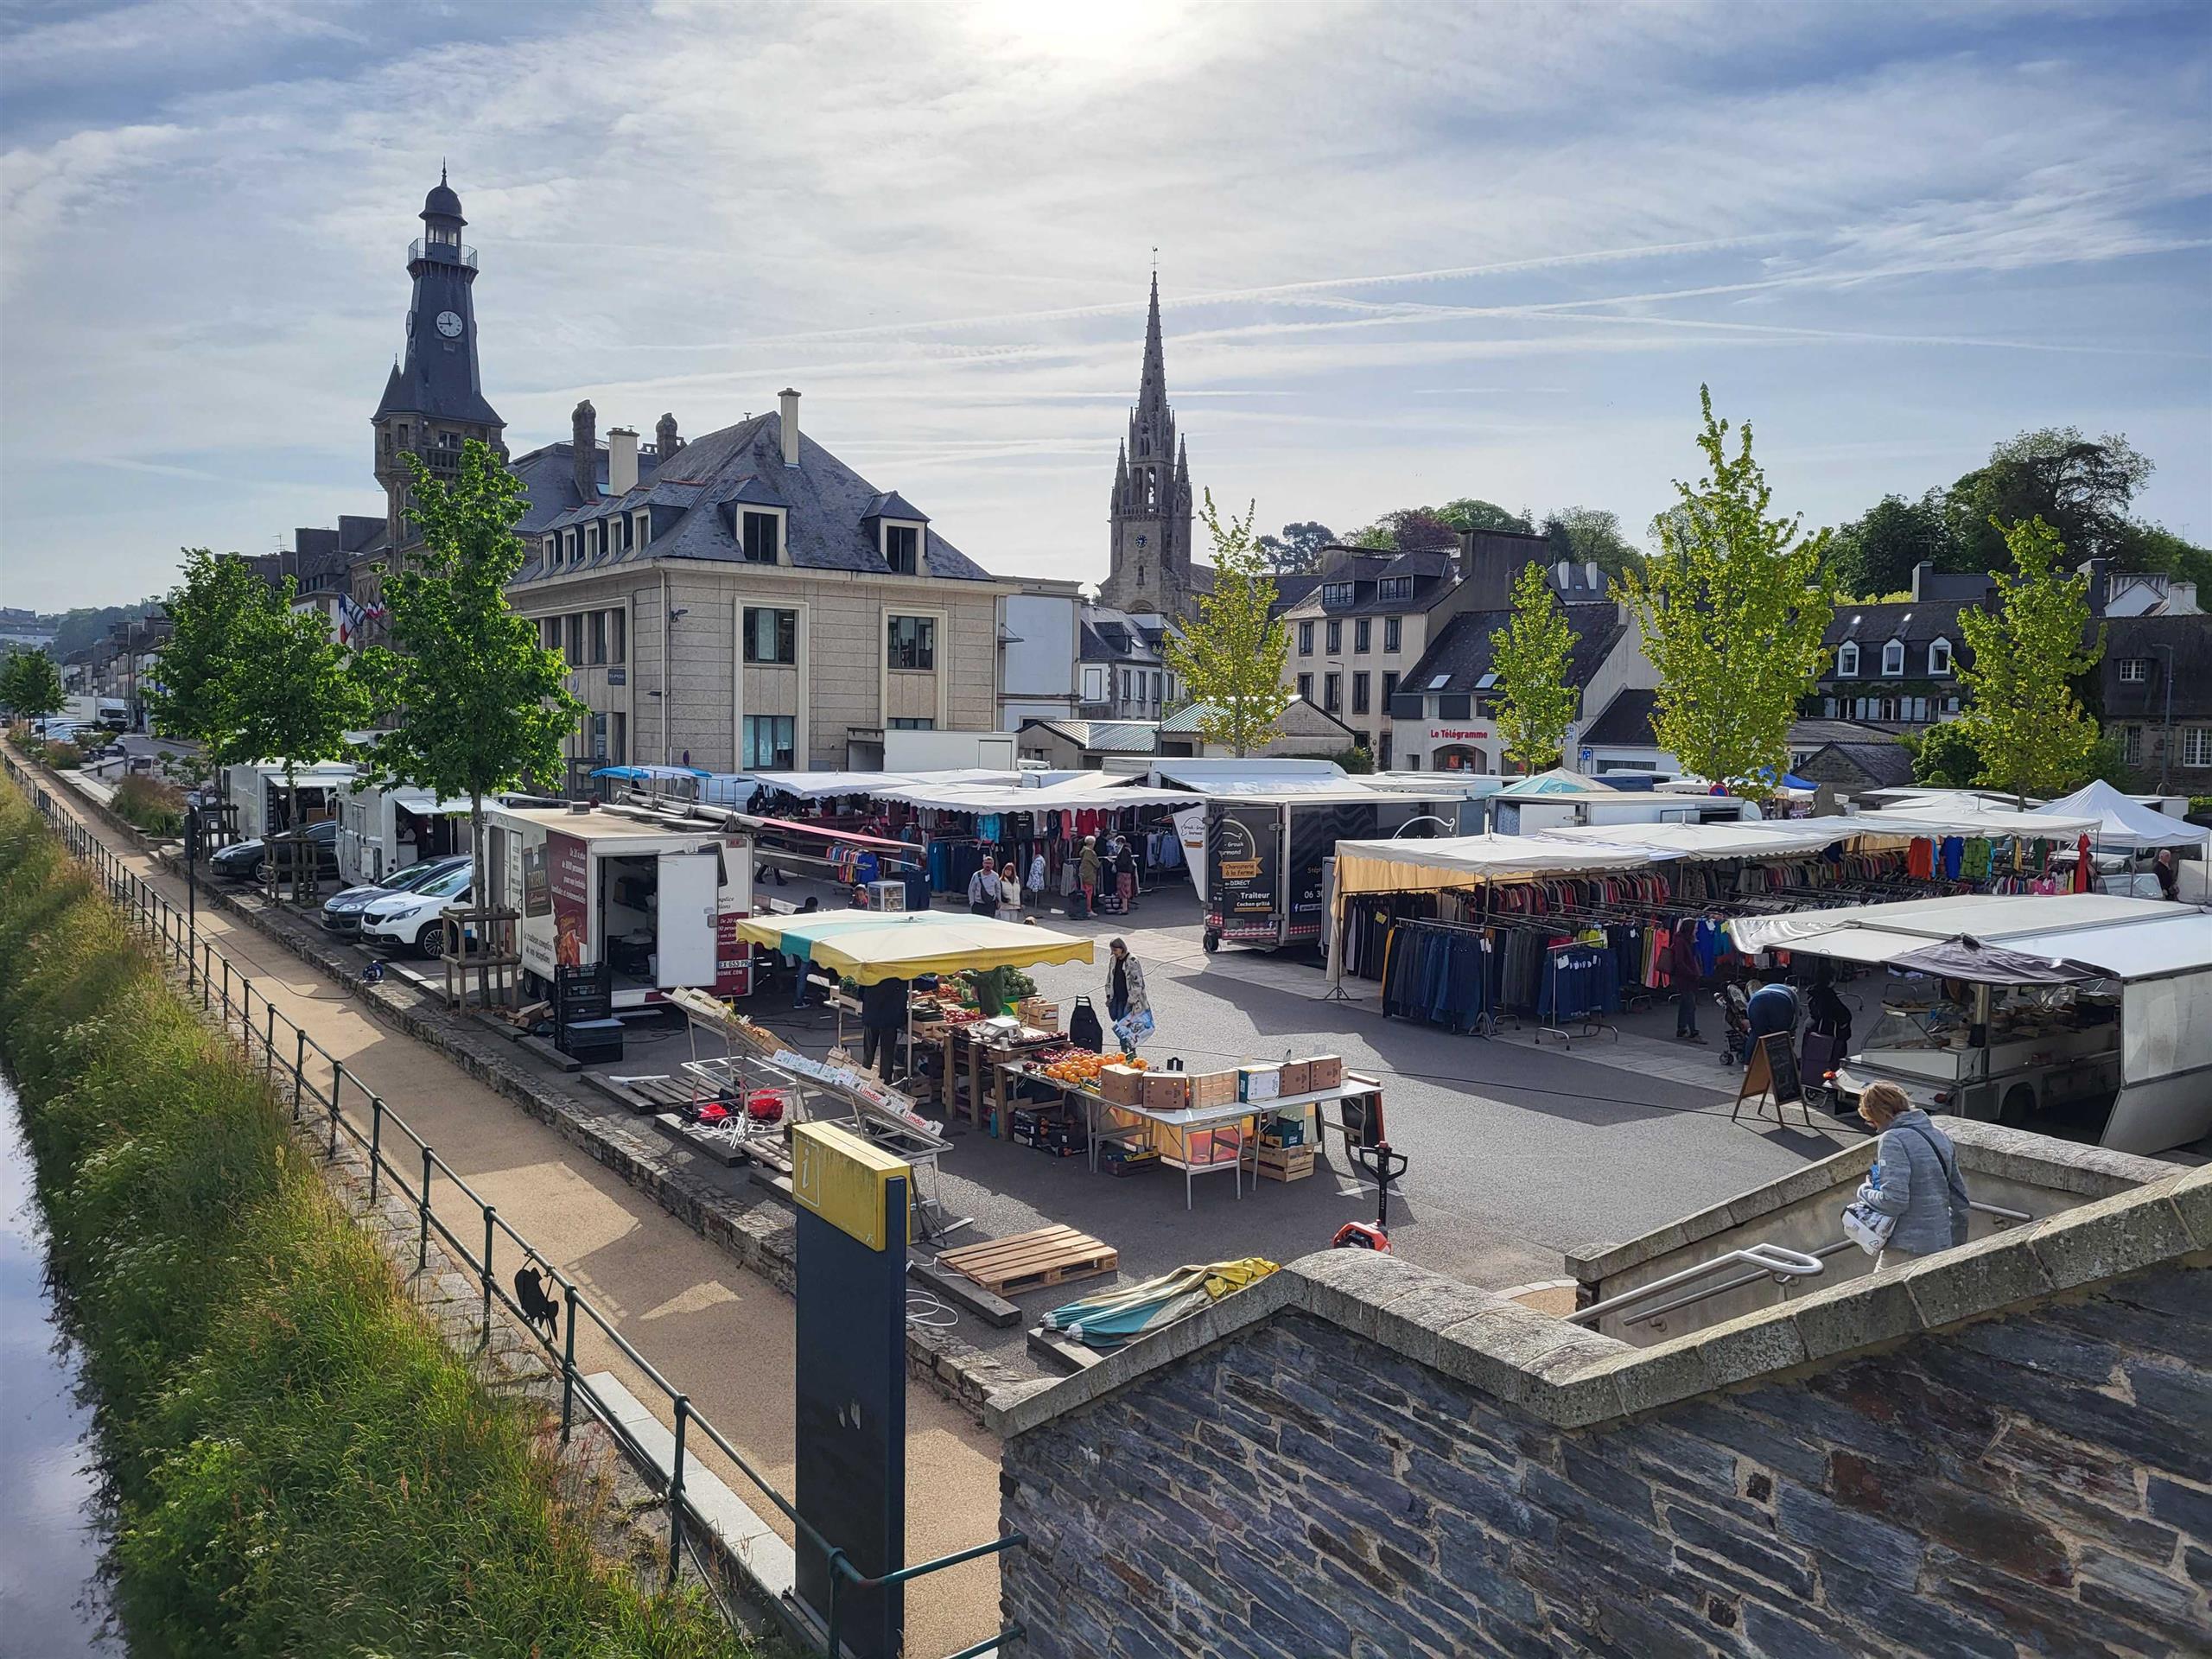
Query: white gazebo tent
(2121, 822)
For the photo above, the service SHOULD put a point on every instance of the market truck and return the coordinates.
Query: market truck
(656, 902)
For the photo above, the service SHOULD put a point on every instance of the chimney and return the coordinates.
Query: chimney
(2099, 570)
(1565, 572)
(789, 399)
(1922, 585)
(1589, 570)
(622, 460)
(665, 442)
(583, 450)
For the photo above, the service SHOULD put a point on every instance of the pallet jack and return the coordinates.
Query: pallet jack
(1385, 1165)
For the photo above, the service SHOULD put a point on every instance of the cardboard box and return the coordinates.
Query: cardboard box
(1166, 1091)
(1326, 1071)
(1213, 1145)
(1213, 1088)
(1121, 1085)
(1293, 1077)
(1258, 1082)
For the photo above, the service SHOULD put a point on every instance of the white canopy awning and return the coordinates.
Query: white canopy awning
(2146, 950)
(1972, 816)
(1096, 789)
(823, 785)
(2121, 822)
(1465, 860)
(1866, 932)
(1736, 838)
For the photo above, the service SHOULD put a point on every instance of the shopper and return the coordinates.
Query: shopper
(983, 891)
(1688, 974)
(1127, 1005)
(1916, 1178)
(1125, 876)
(1009, 895)
(1770, 1008)
(1087, 874)
(883, 1011)
(2168, 874)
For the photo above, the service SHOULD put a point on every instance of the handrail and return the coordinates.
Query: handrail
(202, 961)
(1768, 1258)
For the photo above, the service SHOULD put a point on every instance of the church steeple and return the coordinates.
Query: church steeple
(1150, 519)
(1152, 391)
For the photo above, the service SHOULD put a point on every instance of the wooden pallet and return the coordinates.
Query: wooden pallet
(1050, 1256)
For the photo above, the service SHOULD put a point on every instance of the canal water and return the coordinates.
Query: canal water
(51, 1526)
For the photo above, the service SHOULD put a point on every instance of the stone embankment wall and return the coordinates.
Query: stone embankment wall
(2006, 1451)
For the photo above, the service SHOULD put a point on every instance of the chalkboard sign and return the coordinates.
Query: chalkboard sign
(1771, 1074)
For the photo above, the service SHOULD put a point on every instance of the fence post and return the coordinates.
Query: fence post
(835, 1582)
(489, 1211)
(268, 1044)
(376, 1143)
(569, 1367)
(675, 1491)
(337, 1077)
(299, 1070)
(423, 1203)
(206, 974)
(226, 991)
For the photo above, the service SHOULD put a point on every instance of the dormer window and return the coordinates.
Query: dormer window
(551, 547)
(1846, 660)
(643, 528)
(902, 549)
(1335, 594)
(1939, 657)
(1893, 659)
(1395, 590)
(760, 535)
(570, 546)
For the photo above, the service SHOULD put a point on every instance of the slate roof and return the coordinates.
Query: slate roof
(1112, 636)
(2148, 639)
(825, 501)
(1461, 652)
(1918, 622)
(1625, 722)
(1881, 765)
(1291, 589)
(1433, 572)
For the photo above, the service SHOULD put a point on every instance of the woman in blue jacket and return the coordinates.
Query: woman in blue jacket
(1916, 1177)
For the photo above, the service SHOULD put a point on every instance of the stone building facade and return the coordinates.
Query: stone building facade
(2001, 1450)
(1152, 572)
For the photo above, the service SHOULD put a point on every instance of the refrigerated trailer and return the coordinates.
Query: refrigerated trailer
(655, 900)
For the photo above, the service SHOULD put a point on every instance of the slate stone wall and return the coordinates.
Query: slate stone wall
(2035, 1484)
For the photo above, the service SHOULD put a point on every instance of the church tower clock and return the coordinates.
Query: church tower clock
(434, 399)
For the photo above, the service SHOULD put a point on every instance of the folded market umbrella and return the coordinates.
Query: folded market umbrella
(1114, 1318)
(866, 946)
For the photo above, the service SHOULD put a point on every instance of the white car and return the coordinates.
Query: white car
(410, 920)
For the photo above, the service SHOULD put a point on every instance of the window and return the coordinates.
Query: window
(569, 543)
(913, 642)
(1127, 693)
(1305, 688)
(576, 630)
(1395, 590)
(1336, 636)
(599, 641)
(2131, 745)
(1094, 685)
(1389, 686)
(1391, 627)
(901, 549)
(1939, 657)
(2196, 747)
(598, 738)
(551, 547)
(618, 740)
(1334, 594)
(618, 624)
(1382, 756)
(1363, 635)
(2134, 669)
(910, 723)
(1305, 638)
(1359, 693)
(769, 740)
(1332, 692)
(642, 528)
(549, 634)
(759, 529)
(1846, 660)
(1893, 659)
(771, 636)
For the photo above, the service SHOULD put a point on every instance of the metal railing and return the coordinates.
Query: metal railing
(289, 1054)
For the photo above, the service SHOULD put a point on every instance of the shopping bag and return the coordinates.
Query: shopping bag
(1867, 1227)
(1134, 1028)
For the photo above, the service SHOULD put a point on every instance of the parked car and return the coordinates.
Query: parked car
(409, 921)
(343, 913)
(241, 859)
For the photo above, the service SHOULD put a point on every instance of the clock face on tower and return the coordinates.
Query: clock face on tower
(449, 324)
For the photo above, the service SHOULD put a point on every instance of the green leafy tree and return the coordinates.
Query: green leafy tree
(2080, 487)
(1232, 659)
(1733, 611)
(287, 697)
(1875, 553)
(1529, 656)
(30, 685)
(1944, 755)
(2024, 718)
(1470, 513)
(479, 703)
(1358, 759)
(1298, 548)
(1591, 535)
(209, 610)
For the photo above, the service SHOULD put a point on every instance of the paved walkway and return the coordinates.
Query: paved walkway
(716, 1331)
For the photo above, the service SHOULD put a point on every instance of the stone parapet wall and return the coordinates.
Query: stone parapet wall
(2003, 1450)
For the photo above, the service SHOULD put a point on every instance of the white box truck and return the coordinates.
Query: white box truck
(656, 900)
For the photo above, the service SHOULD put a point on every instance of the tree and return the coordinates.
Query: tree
(1358, 759)
(1875, 552)
(287, 697)
(2024, 718)
(1529, 656)
(209, 610)
(1409, 529)
(480, 704)
(1945, 755)
(2079, 487)
(1733, 611)
(30, 685)
(1587, 535)
(1298, 548)
(1469, 513)
(1232, 660)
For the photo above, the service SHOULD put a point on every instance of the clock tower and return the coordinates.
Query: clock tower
(434, 399)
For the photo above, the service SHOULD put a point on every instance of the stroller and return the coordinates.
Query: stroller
(1736, 1019)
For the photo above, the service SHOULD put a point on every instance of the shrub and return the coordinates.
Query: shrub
(62, 757)
(297, 1465)
(153, 806)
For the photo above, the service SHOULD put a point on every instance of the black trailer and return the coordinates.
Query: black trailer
(1264, 863)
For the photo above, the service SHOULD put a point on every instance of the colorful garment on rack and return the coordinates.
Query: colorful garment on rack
(1436, 973)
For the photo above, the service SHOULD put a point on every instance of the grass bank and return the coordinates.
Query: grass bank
(299, 1467)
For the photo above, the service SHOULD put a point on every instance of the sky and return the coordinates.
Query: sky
(1407, 252)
